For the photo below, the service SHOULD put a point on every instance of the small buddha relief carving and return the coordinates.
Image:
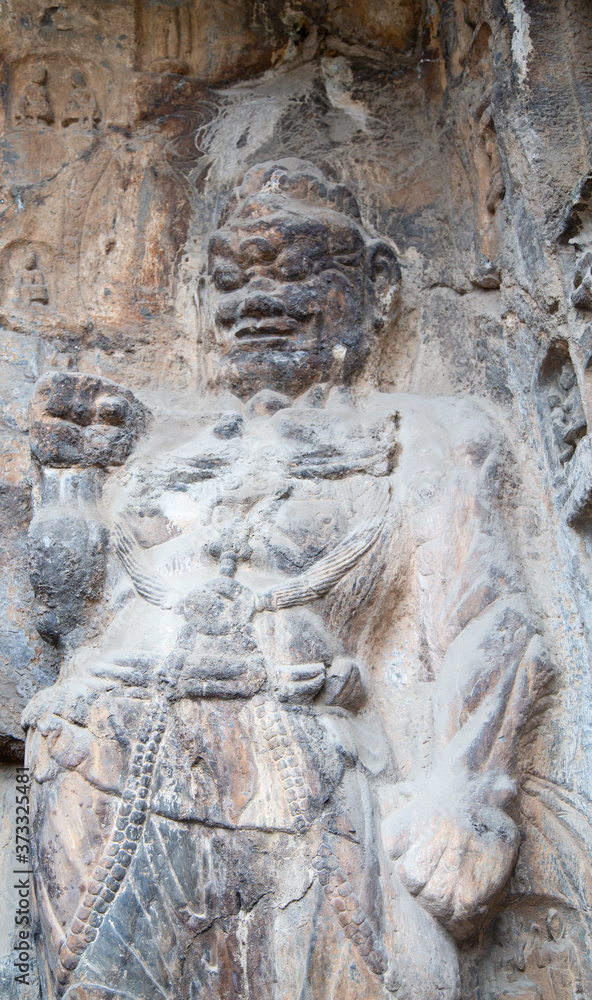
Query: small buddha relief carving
(506, 978)
(567, 415)
(556, 953)
(561, 411)
(575, 236)
(581, 296)
(491, 191)
(82, 108)
(34, 104)
(171, 39)
(563, 422)
(31, 288)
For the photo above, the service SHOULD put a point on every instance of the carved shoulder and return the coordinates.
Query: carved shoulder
(441, 436)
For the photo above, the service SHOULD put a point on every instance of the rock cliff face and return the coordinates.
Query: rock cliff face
(296, 488)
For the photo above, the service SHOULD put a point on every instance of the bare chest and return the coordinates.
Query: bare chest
(280, 495)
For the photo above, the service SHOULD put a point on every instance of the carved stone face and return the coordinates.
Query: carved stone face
(292, 294)
(554, 925)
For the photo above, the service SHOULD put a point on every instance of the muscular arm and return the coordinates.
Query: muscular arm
(81, 427)
(450, 834)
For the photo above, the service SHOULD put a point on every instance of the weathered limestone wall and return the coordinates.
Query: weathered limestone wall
(464, 132)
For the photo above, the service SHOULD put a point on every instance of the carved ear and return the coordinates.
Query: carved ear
(384, 274)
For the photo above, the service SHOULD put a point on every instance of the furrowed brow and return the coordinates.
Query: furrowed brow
(256, 248)
(220, 246)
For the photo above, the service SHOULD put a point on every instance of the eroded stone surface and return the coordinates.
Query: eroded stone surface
(265, 552)
(296, 470)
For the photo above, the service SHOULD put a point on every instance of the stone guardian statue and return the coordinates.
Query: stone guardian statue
(281, 758)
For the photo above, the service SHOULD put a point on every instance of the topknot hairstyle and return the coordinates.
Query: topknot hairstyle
(292, 179)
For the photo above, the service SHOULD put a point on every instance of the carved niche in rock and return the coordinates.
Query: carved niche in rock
(557, 954)
(478, 144)
(27, 277)
(575, 230)
(31, 287)
(167, 32)
(82, 108)
(578, 506)
(564, 427)
(582, 282)
(507, 961)
(561, 411)
(491, 190)
(268, 617)
(34, 104)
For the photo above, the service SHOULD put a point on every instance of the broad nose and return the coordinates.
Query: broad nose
(228, 311)
(259, 303)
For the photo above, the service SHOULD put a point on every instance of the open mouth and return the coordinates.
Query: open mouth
(266, 328)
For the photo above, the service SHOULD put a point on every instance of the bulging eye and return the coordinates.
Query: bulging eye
(113, 410)
(256, 250)
(229, 277)
(294, 267)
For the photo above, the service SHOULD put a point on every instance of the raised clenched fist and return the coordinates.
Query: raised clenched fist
(83, 420)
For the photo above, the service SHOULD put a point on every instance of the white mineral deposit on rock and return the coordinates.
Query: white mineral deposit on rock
(297, 493)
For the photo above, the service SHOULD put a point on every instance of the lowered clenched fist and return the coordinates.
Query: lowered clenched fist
(453, 849)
